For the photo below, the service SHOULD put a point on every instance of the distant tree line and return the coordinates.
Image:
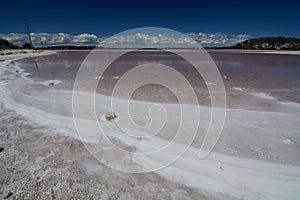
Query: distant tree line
(271, 43)
(267, 43)
(68, 47)
(4, 44)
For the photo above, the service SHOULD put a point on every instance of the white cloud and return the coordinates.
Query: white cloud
(52, 39)
(140, 40)
(218, 39)
(132, 40)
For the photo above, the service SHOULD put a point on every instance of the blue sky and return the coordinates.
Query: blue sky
(257, 18)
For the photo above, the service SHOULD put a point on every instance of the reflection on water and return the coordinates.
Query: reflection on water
(275, 74)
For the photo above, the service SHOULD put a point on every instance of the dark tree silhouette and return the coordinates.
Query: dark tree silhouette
(27, 46)
(271, 43)
(4, 44)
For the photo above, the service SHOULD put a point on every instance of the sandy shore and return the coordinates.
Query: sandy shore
(256, 158)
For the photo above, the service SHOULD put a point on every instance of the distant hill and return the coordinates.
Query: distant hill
(4, 44)
(271, 43)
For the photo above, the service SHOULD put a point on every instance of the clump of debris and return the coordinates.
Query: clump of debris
(110, 116)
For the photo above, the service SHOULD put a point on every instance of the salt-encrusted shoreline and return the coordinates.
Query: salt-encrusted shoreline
(39, 160)
(22, 53)
(218, 176)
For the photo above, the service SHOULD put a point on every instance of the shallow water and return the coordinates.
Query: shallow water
(249, 78)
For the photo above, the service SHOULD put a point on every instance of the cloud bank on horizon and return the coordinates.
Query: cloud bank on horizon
(85, 39)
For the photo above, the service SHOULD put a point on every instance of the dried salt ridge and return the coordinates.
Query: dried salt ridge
(261, 165)
(40, 163)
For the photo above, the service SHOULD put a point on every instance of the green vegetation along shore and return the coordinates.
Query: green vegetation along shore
(270, 43)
